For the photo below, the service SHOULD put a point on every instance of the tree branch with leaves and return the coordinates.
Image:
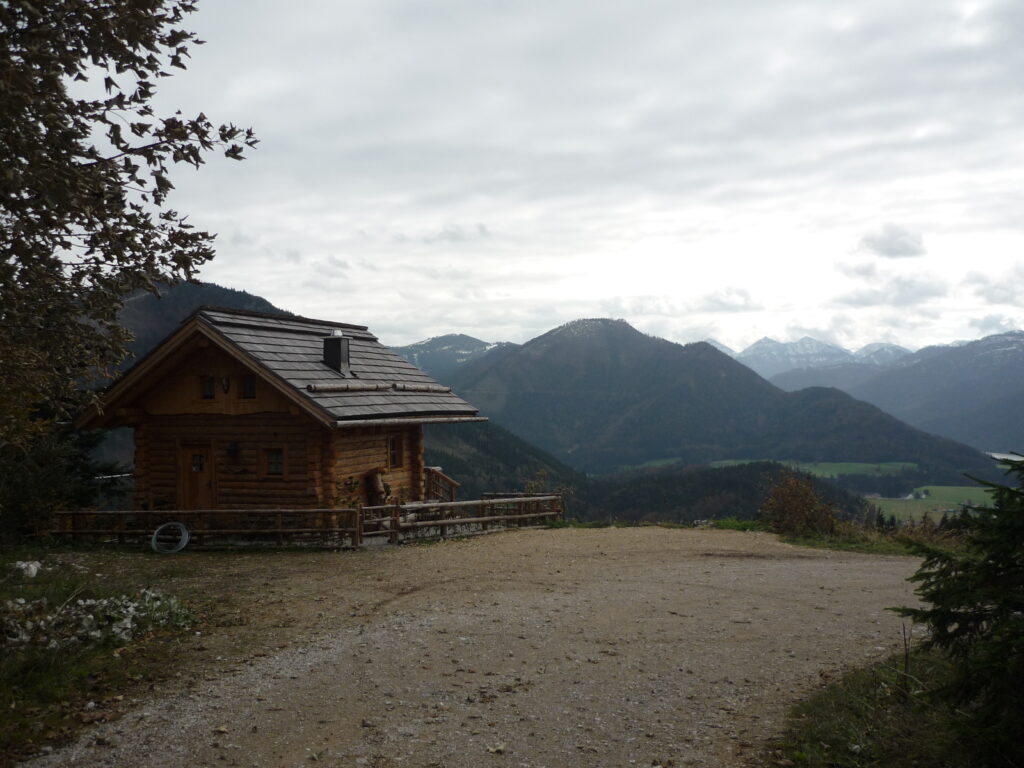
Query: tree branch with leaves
(84, 187)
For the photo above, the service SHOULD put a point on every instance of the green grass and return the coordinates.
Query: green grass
(831, 468)
(735, 524)
(877, 716)
(868, 544)
(652, 464)
(940, 498)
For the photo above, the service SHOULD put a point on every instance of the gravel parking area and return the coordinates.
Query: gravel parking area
(569, 647)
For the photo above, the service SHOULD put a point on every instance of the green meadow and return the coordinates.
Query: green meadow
(833, 468)
(939, 499)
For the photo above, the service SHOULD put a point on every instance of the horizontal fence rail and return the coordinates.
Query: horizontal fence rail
(328, 527)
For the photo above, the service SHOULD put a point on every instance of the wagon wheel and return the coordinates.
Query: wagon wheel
(169, 538)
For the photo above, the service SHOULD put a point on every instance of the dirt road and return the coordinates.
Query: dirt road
(609, 647)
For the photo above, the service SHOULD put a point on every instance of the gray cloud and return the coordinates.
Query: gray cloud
(990, 324)
(731, 299)
(897, 292)
(893, 242)
(632, 306)
(457, 234)
(238, 237)
(864, 270)
(617, 130)
(1007, 288)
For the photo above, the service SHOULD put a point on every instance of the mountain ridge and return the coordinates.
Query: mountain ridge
(603, 395)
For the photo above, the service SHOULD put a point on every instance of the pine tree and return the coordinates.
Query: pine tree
(974, 609)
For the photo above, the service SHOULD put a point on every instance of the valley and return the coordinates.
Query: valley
(934, 501)
(637, 426)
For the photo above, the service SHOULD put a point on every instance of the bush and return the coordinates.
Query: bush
(793, 508)
(974, 608)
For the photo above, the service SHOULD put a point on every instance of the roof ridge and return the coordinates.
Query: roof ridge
(272, 316)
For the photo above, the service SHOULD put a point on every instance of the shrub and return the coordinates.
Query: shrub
(974, 608)
(793, 508)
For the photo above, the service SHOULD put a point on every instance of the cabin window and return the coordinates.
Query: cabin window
(207, 387)
(395, 451)
(273, 461)
(248, 389)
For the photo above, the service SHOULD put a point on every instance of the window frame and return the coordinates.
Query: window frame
(207, 387)
(247, 384)
(396, 451)
(266, 464)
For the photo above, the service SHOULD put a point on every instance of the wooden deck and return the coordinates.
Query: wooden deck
(324, 527)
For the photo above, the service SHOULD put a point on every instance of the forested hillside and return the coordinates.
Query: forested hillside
(972, 393)
(687, 494)
(483, 457)
(151, 317)
(603, 397)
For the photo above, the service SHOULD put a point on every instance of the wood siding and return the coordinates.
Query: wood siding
(237, 460)
(322, 467)
(179, 391)
(356, 453)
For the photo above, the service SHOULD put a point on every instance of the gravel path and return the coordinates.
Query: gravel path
(607, 647)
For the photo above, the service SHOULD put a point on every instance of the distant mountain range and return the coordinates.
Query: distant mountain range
(770, 358)
(597, 395)
(972, 392)
(441, 355)
(601, 396)
(967, 391)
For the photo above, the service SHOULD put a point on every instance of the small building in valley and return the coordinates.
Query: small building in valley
(244, 410)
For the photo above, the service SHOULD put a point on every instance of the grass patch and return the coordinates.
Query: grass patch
(832, 468)
(47, 693)
(735, 524)
(866, 543)
(877, 716)
(938, 499)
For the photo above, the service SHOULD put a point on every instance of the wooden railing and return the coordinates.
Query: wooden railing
(328, 527)
(438, 486)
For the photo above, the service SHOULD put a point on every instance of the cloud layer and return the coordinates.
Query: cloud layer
(741, 168)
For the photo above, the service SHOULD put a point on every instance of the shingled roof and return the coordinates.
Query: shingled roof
(377, 385)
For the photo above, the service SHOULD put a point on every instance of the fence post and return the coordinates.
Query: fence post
(357, 535)
(396, 515)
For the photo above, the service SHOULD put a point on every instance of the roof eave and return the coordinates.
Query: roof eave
(397, 421)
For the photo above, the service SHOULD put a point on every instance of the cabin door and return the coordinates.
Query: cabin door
(195, 474)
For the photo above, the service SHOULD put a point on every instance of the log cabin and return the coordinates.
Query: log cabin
(245, 410)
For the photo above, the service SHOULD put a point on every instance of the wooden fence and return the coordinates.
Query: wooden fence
(328, 527)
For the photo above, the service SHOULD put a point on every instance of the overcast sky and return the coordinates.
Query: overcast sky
(734, 169)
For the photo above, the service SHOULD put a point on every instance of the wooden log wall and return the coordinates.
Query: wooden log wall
(355, 453)
(237, 461)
